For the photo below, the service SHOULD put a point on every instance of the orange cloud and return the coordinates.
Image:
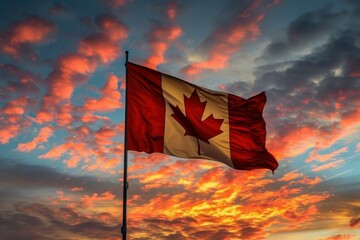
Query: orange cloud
(339, 237)
(74, 69)
(291, 176)
(89, 201)
(91, 118)
(16, 106)
(303, 216)
(225, 41)
(325, 157)
(75, 189)
(42, 137)
(64, 116)
(75, 63)
(110, 97)
(101, 46)
(104, 135)
(159, 40)
(76, 152)
(330, 165)
(112, 27)
(8, 132)
(32, 30)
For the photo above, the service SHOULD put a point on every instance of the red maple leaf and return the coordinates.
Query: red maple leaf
(192, 123)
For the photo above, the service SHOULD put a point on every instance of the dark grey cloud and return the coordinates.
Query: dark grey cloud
(22, 176)
(306, 31)
(38, 221)
(16, 80)
(303, 92)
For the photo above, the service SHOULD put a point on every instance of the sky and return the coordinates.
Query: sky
(62, 119)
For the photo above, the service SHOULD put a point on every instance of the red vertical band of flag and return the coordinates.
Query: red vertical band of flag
(247, 133)
(145, 105)
(147, 121)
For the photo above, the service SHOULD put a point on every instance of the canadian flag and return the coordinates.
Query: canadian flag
(171, 116)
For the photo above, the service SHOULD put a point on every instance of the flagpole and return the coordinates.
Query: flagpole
(125, 182)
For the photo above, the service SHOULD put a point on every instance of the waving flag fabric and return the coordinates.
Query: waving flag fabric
(174, 117)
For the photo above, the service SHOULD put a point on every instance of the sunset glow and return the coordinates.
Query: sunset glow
(62, 126)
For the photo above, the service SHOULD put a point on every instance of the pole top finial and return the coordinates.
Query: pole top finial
(126, 56)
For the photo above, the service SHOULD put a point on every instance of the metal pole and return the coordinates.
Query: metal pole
(125, 183)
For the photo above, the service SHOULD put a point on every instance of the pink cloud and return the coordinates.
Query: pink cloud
(42, 137)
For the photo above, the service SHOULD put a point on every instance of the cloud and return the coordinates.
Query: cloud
(12, 118)
(161, 36)
(58, 10)
(18, 81)
(73, 69)
(339, 237)
(310, 105)
(38, 221)
(23, 176)
(88, 201)
(115, 3)
(100, 46)
(112, 27)
(70, 71)
(16, 106)
(159, 40)
(354, 222)
(109, 100)
(325, 157)
(307, 31)
(17, 41)
(90, 149)
(42, 137)
(330, 165)
(229, 37)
